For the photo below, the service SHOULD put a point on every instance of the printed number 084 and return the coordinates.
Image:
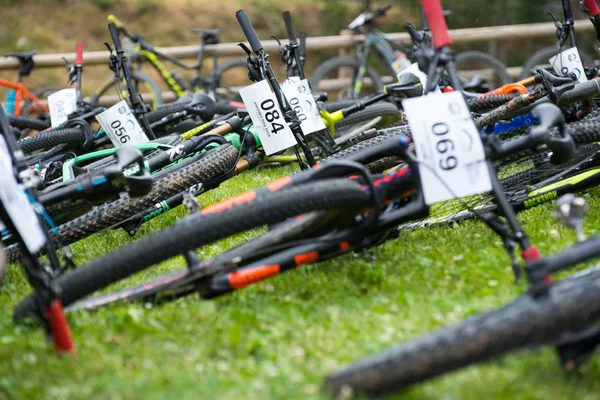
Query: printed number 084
(271, 116)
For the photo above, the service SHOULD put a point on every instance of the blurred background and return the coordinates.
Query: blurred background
(53, 26)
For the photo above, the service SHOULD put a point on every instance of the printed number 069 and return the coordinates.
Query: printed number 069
(444, 146)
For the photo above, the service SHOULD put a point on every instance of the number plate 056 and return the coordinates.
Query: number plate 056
(120, 125)
(449, 150)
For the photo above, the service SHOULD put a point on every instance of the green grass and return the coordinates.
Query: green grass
(279, 338)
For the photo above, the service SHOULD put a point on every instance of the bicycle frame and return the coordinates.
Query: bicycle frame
(22, 93)
(384, 49)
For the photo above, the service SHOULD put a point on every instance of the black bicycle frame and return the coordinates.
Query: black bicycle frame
(384, 49)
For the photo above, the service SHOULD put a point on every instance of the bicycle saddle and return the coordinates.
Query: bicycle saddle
(211, 36)
(21, 56)
(25, 62)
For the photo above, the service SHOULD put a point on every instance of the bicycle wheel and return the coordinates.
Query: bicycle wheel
(29, 108)
(232, 75)
(149, 89)
(388, 111)
(28, 123)
(478, 60)
(571, 304)
(213, 166)
(541, 59)
(52, 138)
(329, 70)
(221, 220)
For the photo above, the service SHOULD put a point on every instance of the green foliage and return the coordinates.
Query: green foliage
(106, 5)
(147, 6)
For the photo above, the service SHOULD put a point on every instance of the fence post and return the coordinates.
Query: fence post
(345, 73)
(497, 49)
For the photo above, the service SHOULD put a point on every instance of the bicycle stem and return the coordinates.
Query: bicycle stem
(290, 116)
(294, 48)
(137, 104)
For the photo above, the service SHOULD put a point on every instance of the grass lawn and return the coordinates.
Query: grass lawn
(277, 339)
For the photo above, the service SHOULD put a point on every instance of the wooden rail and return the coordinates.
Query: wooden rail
(468, 35)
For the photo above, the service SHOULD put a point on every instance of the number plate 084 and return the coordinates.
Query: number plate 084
(449, 150)
(273, 130)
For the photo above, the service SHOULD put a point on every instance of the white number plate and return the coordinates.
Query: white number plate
(120, 125)
(273, 130)
(567, 62)
(449, 149)
(61, 104)
(17, 205)
(302, 101)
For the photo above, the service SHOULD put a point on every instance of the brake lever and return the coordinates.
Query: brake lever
(550, 116)
(139, 183)
(408, 86)
(254, 72)
(557, 85)
(202, 106)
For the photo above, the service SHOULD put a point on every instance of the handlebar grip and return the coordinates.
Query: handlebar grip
(289, 26)
(437, 23)
(592, 7)
(581, 91)
(567, 11)
(249, 31)
(114, 34)
(381, 11)
(79, 53)
(302, 49)
(114, 20)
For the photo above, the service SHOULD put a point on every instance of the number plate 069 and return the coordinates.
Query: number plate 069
(449, 150)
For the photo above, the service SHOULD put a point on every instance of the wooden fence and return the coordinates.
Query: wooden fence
(345, 41)
(314, 44)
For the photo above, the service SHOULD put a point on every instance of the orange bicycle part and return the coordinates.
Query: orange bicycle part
(508, 88)
(528, 81)
(23, 93)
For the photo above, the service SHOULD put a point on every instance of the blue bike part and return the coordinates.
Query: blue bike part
(504, 126)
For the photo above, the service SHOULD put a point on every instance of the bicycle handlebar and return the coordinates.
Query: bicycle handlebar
(302, 49)
(289, 27)
(114, 20)
(549, 116)
(581, 91)
(592, 7)
(381, 11)
(114, 34)
(437, 23)
(567, 11)
(79, 53)
(249, 31)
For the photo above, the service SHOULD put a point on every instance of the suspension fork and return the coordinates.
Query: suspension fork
(363, 56)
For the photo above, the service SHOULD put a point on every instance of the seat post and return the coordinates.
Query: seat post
(201, 54)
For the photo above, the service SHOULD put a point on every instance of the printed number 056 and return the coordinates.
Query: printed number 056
(120, 131)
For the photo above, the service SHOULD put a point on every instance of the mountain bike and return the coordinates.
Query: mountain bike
(24, 100)
(394, 56)
(336, 214)
(565, 30)
(218, 84)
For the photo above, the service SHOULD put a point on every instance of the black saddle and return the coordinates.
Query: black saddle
(210, 36)
(25, 61)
